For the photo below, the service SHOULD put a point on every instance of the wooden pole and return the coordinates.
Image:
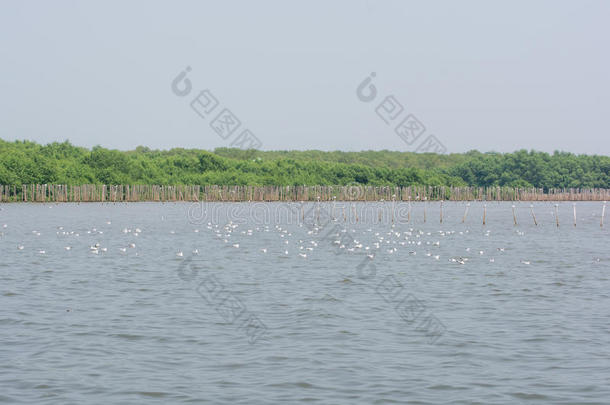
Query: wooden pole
(533, 216)
(557, 214)
(424, 210)
(465, 213)
(574, 208)
(441, 212)
(514, 216)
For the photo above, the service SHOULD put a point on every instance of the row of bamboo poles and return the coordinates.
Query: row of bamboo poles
(138, 192)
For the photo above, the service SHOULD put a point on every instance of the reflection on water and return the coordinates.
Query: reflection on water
(278, 303)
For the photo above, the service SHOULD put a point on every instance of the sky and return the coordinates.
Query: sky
(486, 75)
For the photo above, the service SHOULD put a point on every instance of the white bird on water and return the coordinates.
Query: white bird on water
(180, 254)
(20, 247)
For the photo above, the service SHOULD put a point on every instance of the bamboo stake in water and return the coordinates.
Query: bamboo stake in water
(514, 216)
(484, 212)
(441, 211)
(601, 224)
(574, 207)
(393, 206)
(557, 214)
(424, 210)
(465, 213)
(533, 216)
(409, 213)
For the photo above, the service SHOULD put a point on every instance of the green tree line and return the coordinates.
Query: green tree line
(24, 162)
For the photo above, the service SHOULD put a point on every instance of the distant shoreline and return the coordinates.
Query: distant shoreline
(354, 193)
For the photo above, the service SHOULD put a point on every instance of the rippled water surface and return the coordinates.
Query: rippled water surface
(289, 305)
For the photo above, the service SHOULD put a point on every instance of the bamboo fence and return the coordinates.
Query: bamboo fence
(163, 193)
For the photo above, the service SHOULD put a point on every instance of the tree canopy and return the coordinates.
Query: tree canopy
(24, 162)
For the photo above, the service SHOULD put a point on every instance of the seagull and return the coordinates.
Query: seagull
(525, 262)
(20, 247)
(236, 245)
(180, 254)
(302, 255)
(264, 250)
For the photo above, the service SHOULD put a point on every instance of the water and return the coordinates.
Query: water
(90, 325)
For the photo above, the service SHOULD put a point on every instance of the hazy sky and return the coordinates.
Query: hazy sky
(484, 75)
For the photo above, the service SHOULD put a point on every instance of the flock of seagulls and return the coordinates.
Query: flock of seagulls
(95, 248)
(305, 241)
(372, 243)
